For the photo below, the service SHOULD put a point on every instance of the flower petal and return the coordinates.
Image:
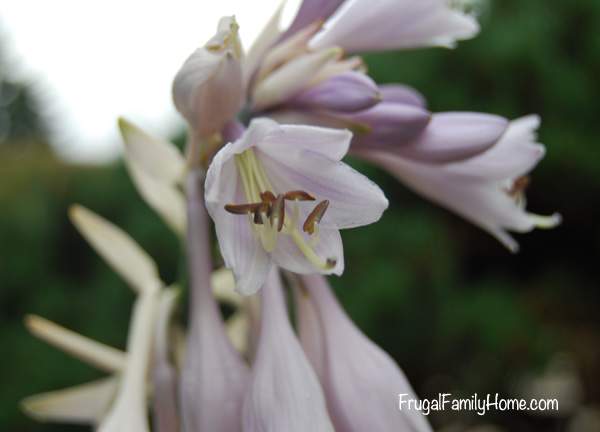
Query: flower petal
(241, 251)
(82, 404)
(269, 35)
(284, 393)
(118, 249)
(354, 200)
(357, 401)
(160, 160)
(402, 94)
(364, 25)
(102, 356)
(311, 11)
(329, 247)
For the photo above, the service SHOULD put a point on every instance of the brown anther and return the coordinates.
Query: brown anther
(298, 196)
(519, 186)
(278, 209)
(331, 263)
(261, 209)
(315, 217)
(267, 197)
(241, 209)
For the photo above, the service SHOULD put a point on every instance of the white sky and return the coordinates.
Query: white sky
(92, 61)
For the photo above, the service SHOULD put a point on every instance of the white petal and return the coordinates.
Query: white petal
(160, 160)
(82, 404)
(94, 353)
(354, 200)
(167, 200)
(365, 25)
(291, 78)
(223, 284)
(329, 246)
(360, 380)
(284, 394)
(241, 250)
(129, 412)
(118, 249)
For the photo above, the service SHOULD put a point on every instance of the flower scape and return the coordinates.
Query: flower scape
(269, 129)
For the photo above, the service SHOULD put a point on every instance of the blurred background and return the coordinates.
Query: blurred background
(458, 312)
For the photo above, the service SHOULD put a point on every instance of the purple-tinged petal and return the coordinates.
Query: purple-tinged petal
(361, 381)
(328, 245)
(208, 90)
(284, 392)
(402, 94)
(347, 92)
(453, 137)
(388, 124)
(214, 377)
(311, 11)
(479, 189)
(365, 25)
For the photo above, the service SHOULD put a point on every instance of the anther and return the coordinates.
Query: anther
(331, 263)
(241, 209)
(267, 197)
(315, 217)
(278, 210)
(298, 196)
(519, 186)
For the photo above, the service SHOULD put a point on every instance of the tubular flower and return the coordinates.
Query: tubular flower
(359, 379)
(284, 393)
(487, 189)
(275, 197)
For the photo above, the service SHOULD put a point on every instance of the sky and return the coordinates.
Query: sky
(93, 61)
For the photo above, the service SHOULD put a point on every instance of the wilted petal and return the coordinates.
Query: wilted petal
(90, 351)
(208, 90)
(160, 160)
(164, 374)
(346, 92)
(478, 189)
(129, 412)
(82, 404)
(291, 78)
(284, 393)
(402, 94)
(364, 25)
(167, 200)
(358, 401)
(118, 249)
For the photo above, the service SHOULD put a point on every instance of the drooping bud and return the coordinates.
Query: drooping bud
(208, 89)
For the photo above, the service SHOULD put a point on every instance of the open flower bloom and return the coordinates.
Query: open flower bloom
(284, 393)
(487, 189)
(361, 382)
(281, 194)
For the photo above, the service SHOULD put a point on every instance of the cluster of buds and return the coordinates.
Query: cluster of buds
(268, 132)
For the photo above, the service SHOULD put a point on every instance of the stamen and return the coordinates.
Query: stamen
(519, 186)
(278, 212)
(268, 197)
(298, 195)
(241, 209)
(315, 217)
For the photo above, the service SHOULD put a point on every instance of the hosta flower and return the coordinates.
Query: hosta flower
(487, 189)
(361, 382)
(277, 197)
(284, 393)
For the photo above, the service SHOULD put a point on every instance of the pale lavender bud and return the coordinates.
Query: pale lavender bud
(454, 136)
(402, 94)
(347, 92)
(357, 402)
(388, 124)
(284, 393)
